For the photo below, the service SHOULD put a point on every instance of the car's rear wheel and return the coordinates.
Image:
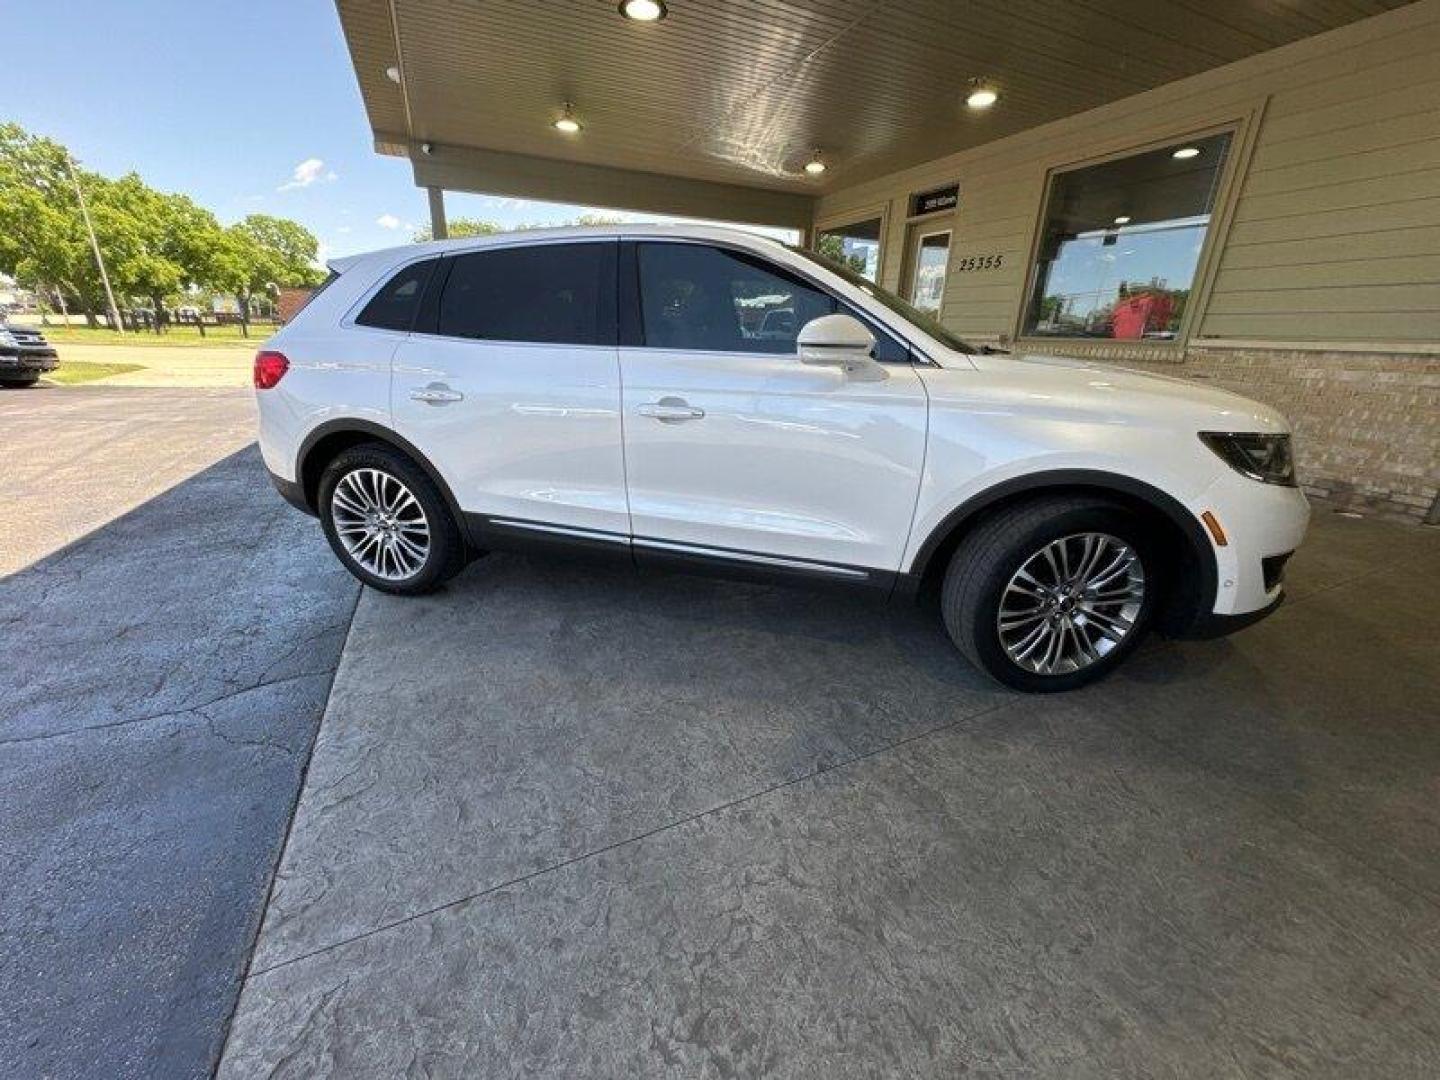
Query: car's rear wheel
(386, 520)
(1052, 594)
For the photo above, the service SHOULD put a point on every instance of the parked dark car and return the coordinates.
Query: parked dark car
(25, 355)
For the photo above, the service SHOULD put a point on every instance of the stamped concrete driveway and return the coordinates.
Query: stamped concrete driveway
(561, 823)
(168, 632)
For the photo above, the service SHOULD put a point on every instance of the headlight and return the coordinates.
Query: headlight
(7, 339)
(1261, 457)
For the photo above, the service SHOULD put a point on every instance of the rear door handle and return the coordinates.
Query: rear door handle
(436, 394)
(671, 410)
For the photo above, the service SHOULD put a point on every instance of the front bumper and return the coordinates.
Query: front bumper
(1214, 626)
(1262, 523)
(27, 362)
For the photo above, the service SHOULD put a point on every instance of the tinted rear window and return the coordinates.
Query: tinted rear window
(394, 306)
(559, 294)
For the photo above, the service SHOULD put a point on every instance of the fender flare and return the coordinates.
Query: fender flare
(380, 433)
(1194, 600)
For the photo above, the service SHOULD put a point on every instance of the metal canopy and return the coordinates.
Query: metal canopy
(741, 93)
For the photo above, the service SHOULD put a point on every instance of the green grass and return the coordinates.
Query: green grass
(188, 336)
(71, 372)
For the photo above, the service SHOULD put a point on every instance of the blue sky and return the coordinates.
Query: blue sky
(246, 107)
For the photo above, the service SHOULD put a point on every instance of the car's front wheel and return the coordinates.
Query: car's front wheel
(386, 520)
(19, 384)
(1051, 594)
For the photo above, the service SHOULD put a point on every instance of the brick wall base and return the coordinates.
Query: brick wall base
(1367, 425)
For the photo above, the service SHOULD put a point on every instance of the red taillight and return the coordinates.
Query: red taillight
(270, 368)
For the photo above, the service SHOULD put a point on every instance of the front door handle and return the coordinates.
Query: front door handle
(436, 394)
(671, 410)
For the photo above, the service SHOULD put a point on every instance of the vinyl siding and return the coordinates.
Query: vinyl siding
(1334, 226)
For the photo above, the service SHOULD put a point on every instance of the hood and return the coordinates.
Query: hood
(1087, 385)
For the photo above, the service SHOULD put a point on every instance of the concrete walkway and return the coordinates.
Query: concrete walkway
(562, 823)
(168, 628)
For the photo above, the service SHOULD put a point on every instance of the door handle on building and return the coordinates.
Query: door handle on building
(671, 410)
(436, 394)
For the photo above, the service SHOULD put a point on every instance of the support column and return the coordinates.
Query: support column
(438, 227)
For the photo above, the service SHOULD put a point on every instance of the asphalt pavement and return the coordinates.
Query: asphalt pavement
(169, 629)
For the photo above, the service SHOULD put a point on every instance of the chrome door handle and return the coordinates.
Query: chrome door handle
(436, 394)
(671, 410)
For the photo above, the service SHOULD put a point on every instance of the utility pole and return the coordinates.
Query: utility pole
(95, 246)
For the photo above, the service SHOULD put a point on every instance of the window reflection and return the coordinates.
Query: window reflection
(932, 258)
(856, 247)
(1122, 241)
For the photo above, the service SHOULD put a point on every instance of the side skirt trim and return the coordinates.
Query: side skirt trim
(559, 530)
(778, 561)
(519, 534)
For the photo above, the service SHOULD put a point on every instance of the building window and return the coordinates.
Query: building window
(855, 246)
(1121, 243)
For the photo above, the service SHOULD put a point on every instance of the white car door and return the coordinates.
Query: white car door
(737, 451)
(510, 387)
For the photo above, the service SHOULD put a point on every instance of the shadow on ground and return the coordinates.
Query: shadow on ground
(164, 678)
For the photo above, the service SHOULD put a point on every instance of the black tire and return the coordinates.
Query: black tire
(19, 384)
(989, 557)
(447, 553)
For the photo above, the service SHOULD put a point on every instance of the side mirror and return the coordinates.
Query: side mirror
(841, 341)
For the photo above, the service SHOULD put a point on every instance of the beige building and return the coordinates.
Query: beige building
(1241, 192)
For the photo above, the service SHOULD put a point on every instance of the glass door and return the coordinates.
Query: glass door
(930, 259)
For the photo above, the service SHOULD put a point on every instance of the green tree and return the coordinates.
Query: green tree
(262, 253)
(159, 243)
(463, 226)
(42, 237)
(832, 246)
(460, 227)
(155, 244)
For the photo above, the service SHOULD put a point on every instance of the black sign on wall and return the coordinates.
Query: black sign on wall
(930, 202)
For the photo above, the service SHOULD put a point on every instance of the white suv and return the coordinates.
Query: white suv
(702, 398)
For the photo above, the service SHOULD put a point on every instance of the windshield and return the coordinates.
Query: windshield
(907, 311)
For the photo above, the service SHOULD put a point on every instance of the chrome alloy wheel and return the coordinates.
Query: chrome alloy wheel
(381, 524)
(1071, 603)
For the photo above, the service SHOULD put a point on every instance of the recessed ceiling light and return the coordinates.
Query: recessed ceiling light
(815, 166)
(643, 10)
(393, 74)
(1186, 152)
(982, 97)
(567, 122)
(1123, 219)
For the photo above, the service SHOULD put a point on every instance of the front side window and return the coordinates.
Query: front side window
(545, 293)
(854, 246)
(395, 305)
(1121, 243)
(712, 299)
(909, 312)
(706, 298)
